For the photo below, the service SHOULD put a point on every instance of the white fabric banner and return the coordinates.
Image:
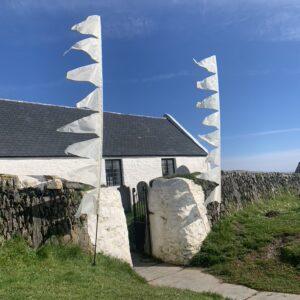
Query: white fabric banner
(87, 174)
(91, 46)
(88, 204)
(88, 149)
(215, 195)
(212, 120)
(90, 26)
(91, 101)
(212, 175)
(212, 138)
(89, 124)
(210, 83)
(90, 73)
(214, 157)
(209, 63)
(211, 102)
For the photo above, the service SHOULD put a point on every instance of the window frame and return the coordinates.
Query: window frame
(111, 161)
(167, 165)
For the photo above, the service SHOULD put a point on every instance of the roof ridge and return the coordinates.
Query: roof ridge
(175, 123)
(37, 103)
(74, 107)
(134, 115)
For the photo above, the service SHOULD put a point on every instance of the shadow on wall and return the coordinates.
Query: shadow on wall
(125, 197)
(39, 215)
(182, 170)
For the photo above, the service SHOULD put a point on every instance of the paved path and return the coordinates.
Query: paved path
(195, 279)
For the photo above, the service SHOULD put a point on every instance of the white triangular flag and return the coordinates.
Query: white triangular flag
(212, 175)
(212, 120)
(92, 101)
(89, 124)
(215, 195)
(212, 138)
(90, 73)
(209, 63)
(214, 157)
(87, 174)
(88, 204)
(91, 46)
(211, 102)
(209, 83)
(88, 149)
(90, 26)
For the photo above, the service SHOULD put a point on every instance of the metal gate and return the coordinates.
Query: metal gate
(141, 219)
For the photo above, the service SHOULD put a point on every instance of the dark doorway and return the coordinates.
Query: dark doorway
(141, 222)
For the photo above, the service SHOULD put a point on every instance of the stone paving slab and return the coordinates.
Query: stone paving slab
(196, 280)
(157, 271)
(274, 296)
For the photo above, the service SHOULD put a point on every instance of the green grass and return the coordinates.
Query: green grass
(252, 249)
(65, 272)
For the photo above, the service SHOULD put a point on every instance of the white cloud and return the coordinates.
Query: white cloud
(30, 86)
(159, 77)
(263, 133)
(282, 26)
(120, 19)
(276, 20)
(281, 161)
(128, 26)
(165, 76)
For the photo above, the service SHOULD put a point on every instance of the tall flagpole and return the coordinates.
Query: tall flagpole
(100, 147)
(92, 148)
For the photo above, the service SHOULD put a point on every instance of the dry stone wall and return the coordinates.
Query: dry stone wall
(240, 188)
(41, 214)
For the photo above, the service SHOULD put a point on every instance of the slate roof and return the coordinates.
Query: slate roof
(29, 130)
(298, 169)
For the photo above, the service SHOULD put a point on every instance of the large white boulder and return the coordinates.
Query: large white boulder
(178, 219)
(112, 227)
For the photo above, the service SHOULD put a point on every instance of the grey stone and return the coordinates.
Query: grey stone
(37, 215)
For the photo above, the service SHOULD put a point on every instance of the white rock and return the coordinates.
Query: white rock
(32, 181)
(178, 219)
(112, 227)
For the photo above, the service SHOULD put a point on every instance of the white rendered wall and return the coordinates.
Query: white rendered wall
(193, 164)
(134, 169)
(140, 169)
(61, 167)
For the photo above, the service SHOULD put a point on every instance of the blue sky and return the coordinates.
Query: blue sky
(148, 48)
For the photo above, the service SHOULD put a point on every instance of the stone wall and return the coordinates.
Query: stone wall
(41, 214)
(240, 188)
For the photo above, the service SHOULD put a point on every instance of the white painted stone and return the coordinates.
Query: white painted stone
(32, 182)
(112, 228)
(178, 219)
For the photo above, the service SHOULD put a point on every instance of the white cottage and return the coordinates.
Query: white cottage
(135, 148)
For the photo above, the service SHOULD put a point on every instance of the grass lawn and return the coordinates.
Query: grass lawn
(65, 272)
(258, 247)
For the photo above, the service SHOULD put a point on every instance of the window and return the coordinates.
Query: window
(113, 172)
(168, 166)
